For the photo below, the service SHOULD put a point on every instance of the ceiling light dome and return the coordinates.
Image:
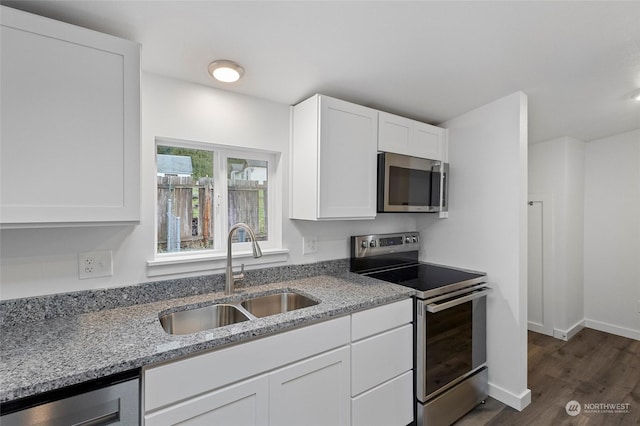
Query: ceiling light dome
(225, 71)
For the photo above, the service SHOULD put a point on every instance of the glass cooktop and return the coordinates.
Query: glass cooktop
(424, 277)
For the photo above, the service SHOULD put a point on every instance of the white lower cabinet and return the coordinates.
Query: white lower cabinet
(381, 357)
(312, 392)
(382, 366)
(242, 404)
(270, 381)
(353, 370)
(388, 404)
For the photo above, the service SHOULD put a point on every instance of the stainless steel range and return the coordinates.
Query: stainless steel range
(449, 323)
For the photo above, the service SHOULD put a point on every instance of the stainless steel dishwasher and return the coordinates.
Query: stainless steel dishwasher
(114, 400)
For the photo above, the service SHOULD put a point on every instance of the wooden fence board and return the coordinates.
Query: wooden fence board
(192, 203)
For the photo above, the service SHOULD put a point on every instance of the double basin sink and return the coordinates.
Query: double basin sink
(213, 316)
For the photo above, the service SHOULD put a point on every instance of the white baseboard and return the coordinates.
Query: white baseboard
(518, 402)
(613, 329)
(568, 334)
(538, 328)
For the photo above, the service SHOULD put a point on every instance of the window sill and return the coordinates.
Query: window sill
(212, 262)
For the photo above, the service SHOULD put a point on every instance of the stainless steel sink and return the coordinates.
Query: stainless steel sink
(194, 320)
(263, 306)
(198, 319)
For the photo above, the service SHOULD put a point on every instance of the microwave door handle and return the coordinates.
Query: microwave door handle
(444, 179)
(434, 308)
(443, 189)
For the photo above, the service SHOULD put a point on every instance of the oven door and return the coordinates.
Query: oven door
(450, 340)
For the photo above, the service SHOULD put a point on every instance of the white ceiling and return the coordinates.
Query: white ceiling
(578, 62)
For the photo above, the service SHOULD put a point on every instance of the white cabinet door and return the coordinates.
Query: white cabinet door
(70, 124)
(401, 135)
(333, 160)
(348, 161)
(428, 141)
(394, 133)
(312, 392)
(243, 404)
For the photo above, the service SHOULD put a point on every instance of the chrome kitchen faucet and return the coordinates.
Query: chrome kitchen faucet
(231, 278)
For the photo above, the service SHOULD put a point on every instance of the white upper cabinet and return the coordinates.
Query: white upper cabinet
(409, 137)
(333, 160)
(70, 139)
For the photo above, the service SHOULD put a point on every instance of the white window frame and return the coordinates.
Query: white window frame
(214, 260)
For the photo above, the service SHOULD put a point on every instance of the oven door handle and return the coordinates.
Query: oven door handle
(434, 308)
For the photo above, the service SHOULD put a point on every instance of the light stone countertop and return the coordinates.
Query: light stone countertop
(47, 354)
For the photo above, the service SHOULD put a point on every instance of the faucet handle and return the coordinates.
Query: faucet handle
(240, 276)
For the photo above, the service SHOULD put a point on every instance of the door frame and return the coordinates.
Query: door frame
(548, 299)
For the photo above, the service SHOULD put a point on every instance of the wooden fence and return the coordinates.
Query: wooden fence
(192, 202)
(247, 203)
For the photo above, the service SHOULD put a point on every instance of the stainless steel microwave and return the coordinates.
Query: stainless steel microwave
(411, 184)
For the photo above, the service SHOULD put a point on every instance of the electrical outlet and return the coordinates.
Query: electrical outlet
(94, 264)
(309, 245)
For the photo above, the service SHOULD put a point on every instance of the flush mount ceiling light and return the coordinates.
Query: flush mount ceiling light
(636, 95)
(225, 71)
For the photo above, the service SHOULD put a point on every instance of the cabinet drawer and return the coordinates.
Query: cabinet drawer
(182, 379)
(245, 403)
(379, 358)
(390, 404)
(377, 320)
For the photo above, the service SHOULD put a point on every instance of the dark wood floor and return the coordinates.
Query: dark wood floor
(592, 367)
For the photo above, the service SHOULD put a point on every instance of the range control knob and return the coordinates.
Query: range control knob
(364, 245)
(414, 239)
(372, 243)
(407, 239)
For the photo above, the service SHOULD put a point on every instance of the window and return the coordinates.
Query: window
(203, 190)
(247, 195)
(185, 199)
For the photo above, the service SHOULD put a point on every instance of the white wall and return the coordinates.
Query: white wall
(612, 234)
(45, 261)
(556, 167)
(596, 230)
(487, 230)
